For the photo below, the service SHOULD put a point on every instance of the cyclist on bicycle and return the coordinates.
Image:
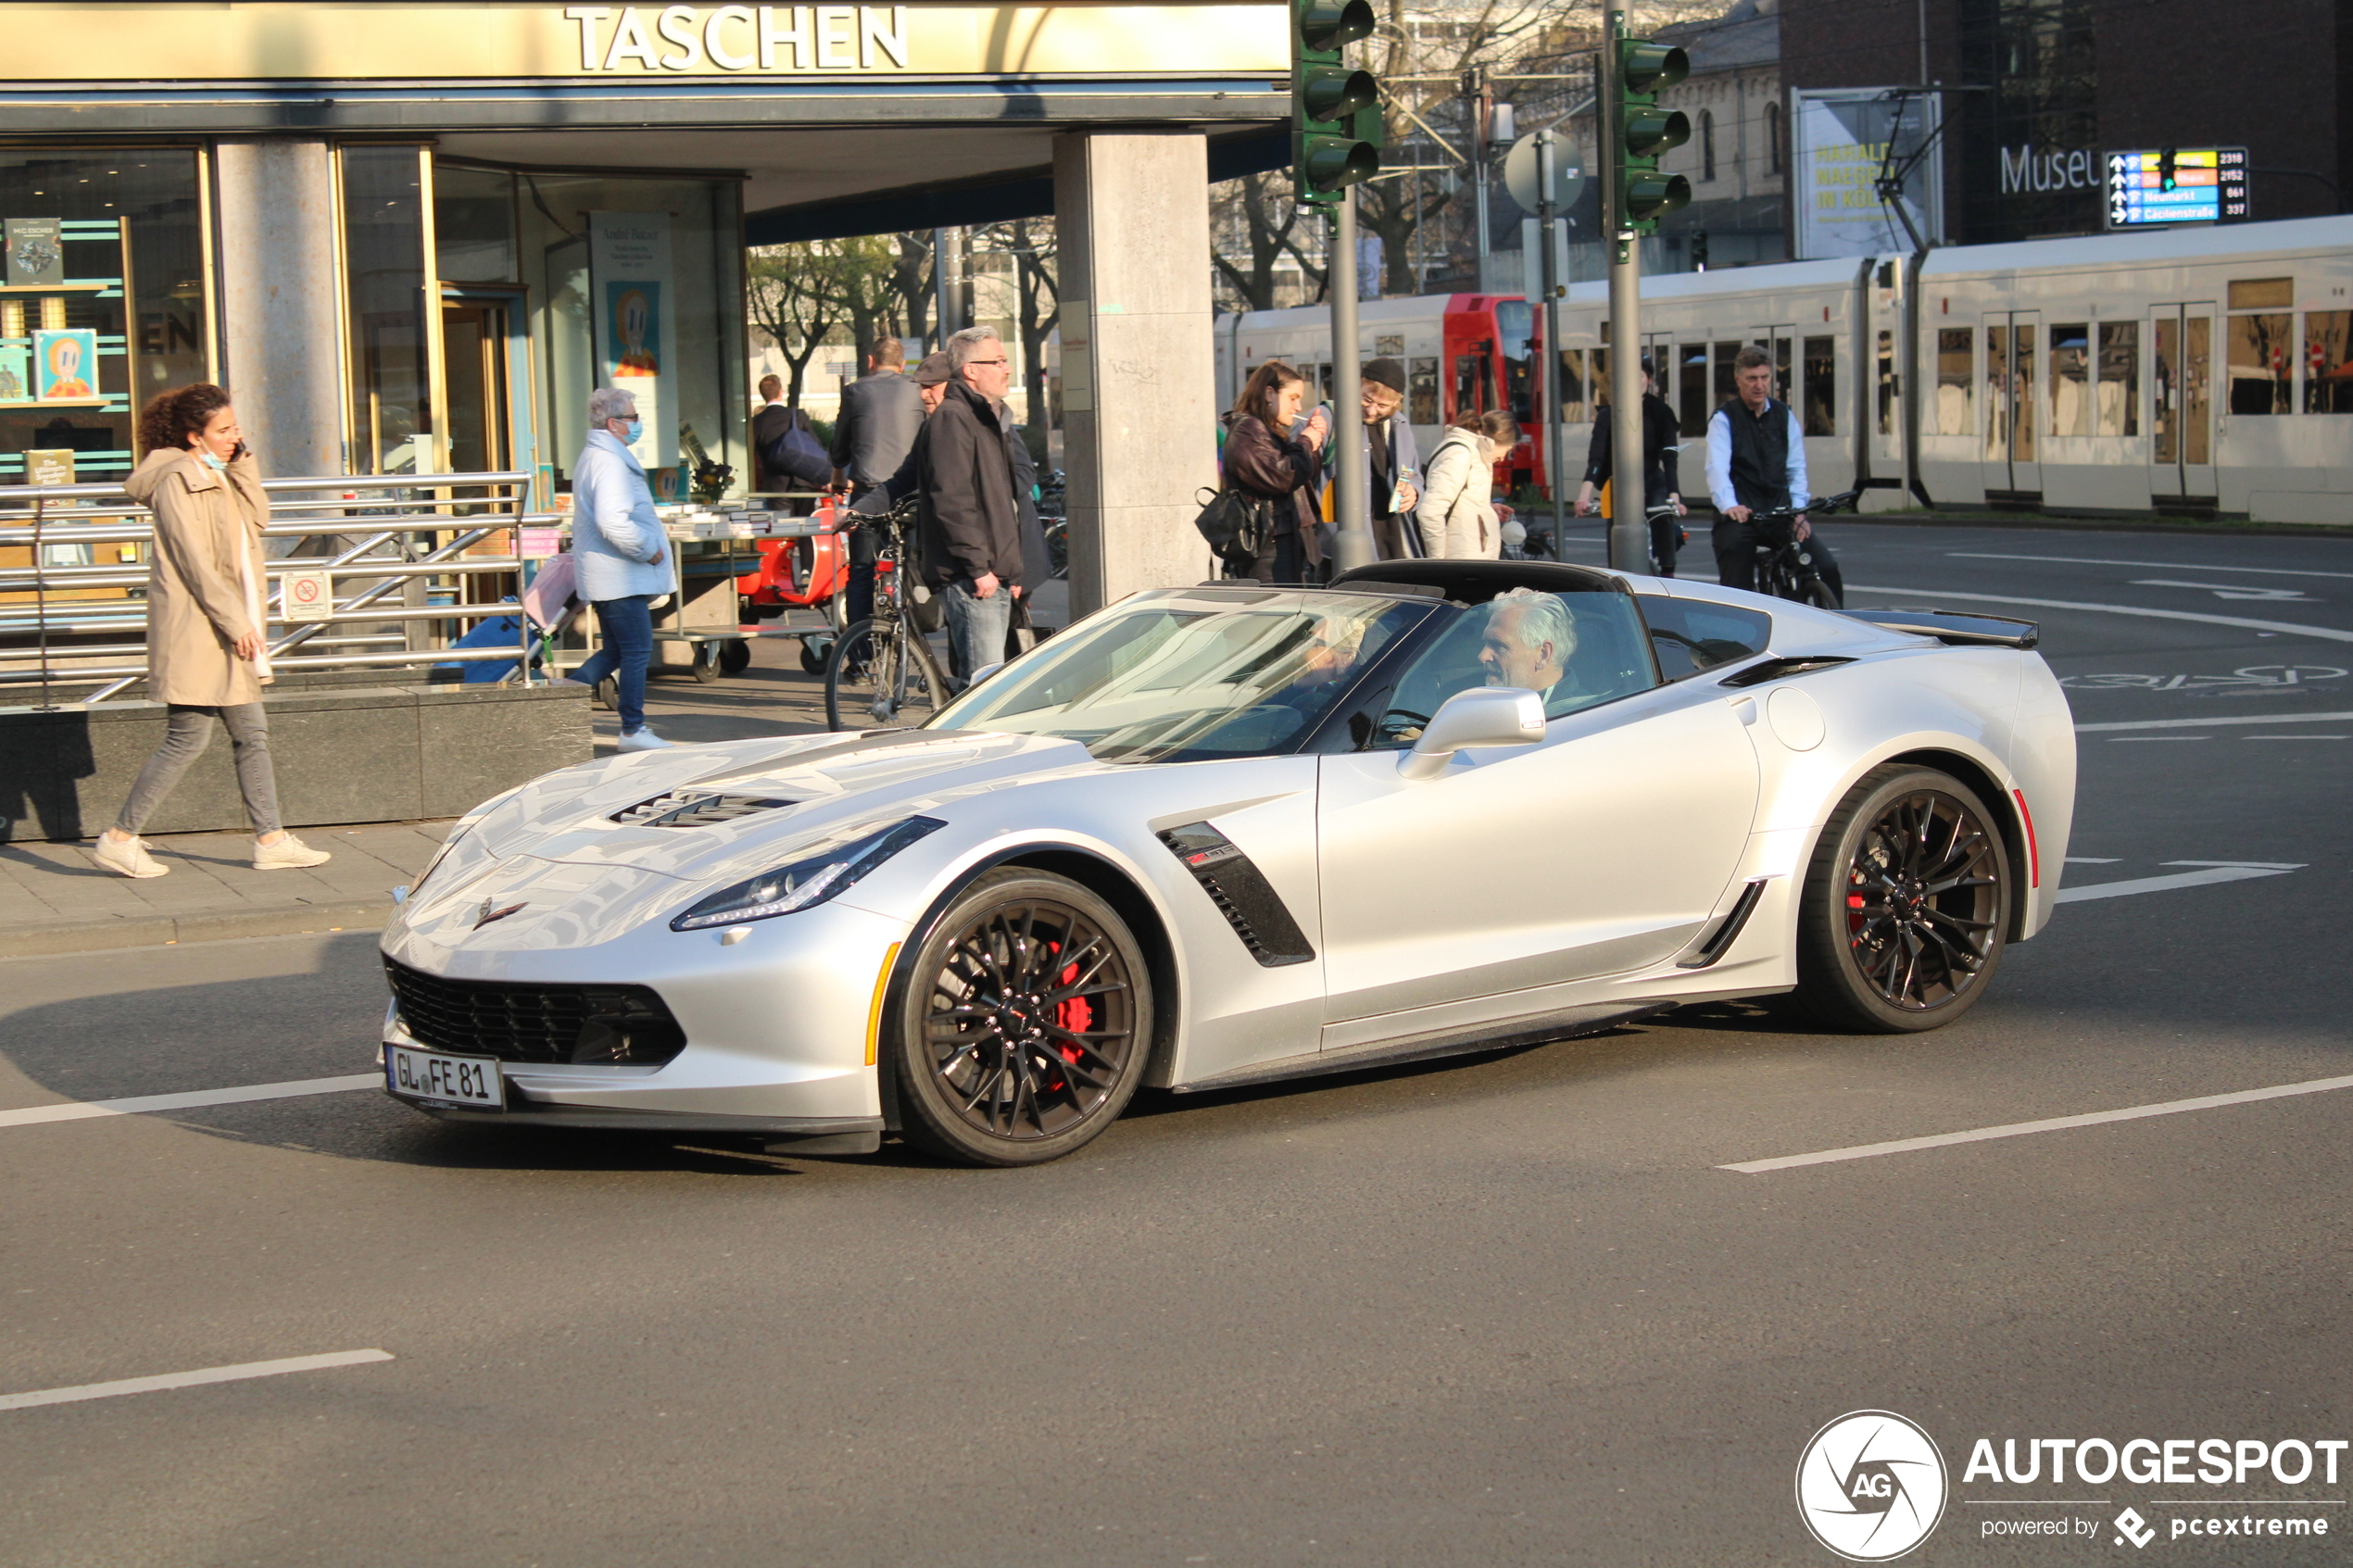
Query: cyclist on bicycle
(1662, 489)
(1756, 462)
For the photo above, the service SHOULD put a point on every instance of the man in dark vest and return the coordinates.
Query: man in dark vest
(1756, 462)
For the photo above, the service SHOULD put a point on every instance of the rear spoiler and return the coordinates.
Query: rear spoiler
(1953, 628)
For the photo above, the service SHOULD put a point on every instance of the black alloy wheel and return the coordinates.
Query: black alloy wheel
(1906, 906)
(1022, 1026)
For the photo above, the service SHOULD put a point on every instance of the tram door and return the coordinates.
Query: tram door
(2181, 401)
(2013, 339)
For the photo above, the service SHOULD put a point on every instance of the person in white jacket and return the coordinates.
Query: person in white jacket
(1457, 514)
(618, 551)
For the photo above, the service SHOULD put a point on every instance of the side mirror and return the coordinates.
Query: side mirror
(1482, 715)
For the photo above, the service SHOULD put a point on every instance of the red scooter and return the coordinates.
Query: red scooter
(805, 573)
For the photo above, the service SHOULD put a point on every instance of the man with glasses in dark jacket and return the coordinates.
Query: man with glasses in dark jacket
(968, 519)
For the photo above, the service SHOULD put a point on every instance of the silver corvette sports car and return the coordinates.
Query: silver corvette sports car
(1217, 835)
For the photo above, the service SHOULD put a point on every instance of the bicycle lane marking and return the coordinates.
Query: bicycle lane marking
(77, 1111)
(189, 1379)
(2245, 622)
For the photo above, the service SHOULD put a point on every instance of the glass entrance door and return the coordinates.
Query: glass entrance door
(2181, 392)
(473, 339)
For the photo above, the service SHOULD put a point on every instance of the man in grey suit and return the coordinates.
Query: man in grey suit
(875, 430)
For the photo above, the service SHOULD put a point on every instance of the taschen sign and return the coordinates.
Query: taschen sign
(423, 40)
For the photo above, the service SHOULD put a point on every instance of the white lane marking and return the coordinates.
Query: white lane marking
(2159, 565)
(2230, 590)
(2163, 883)
(2292, 628)
(2211, 724)
(2052, 1124)
(2121, 740)
(2297, 737)
(189, 1379)
(2092, 860)
(2259, 865)
(76, 1111)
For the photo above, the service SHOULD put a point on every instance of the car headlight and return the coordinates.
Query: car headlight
(822, 872)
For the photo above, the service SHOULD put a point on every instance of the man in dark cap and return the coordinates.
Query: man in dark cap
(1393, 476)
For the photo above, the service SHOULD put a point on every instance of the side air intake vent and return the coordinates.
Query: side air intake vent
(1242, 893)
(669, 810)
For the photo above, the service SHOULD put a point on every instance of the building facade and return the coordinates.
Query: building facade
(2036, 92)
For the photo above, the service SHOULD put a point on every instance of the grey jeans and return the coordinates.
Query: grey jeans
(186, 731)
(977, 628)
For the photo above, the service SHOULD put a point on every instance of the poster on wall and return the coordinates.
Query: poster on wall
(65, 364)
(1840, 144)
(630, 282)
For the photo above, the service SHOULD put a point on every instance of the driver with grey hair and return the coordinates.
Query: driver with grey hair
(1530, 639)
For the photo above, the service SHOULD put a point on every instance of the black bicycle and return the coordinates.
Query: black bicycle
(1785, 567)
(882, 671)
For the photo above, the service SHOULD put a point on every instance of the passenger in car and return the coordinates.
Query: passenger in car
(1530, 639)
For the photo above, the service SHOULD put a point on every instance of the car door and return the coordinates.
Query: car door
(1598, 850)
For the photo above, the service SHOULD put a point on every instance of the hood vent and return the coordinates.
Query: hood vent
(670, 809)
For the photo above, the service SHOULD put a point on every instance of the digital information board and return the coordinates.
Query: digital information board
(2177, 185)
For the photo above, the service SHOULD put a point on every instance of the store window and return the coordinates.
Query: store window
(1707, 145)
(2070, 378)
(1955, 379)
(383, 247)
(108, 306)
(2259, 350)
(2118, 387)
(2328, 363)
(1821, 387)
(473, 225)
(637, 284)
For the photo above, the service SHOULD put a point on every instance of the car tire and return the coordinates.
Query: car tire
(1029, 1069)
(1905, 907)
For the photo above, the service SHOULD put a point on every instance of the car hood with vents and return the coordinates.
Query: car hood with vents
(667, 824)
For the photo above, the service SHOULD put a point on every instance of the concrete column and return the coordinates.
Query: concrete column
(280, 293)
(1139, 407)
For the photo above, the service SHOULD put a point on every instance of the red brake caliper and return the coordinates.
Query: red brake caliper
(1073, 1015)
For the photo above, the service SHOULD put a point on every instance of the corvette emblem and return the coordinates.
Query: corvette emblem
(488, 914)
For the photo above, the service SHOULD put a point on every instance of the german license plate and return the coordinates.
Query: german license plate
(451, 1080)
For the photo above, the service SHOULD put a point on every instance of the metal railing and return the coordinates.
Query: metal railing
(386, 533)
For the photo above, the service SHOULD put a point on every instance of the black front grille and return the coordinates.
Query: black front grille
(545, 1024)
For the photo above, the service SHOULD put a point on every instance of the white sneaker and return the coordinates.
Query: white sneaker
(128, 856)
(289, 852)
(642, 739)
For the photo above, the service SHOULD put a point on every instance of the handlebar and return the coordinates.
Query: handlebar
(1827, 505)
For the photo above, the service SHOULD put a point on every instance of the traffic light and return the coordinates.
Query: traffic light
(1335, 112)
(2167, 179)
(1644, 130)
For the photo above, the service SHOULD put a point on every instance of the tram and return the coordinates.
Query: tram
(2189, 371)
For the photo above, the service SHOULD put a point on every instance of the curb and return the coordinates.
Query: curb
(108, 935)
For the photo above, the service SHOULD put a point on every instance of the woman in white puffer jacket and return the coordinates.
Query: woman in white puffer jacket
(1457, 511)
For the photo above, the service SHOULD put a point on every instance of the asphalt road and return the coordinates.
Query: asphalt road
(1503, 1311)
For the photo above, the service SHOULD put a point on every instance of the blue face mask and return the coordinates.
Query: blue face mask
(636, 429)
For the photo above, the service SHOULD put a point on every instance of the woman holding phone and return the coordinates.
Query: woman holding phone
(206, 597)
(1274, 455)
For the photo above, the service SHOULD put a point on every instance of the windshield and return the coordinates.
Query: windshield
(1185, 676)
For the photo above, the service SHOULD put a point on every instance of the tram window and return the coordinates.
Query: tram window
(1421, 393)
(1326, 376)
(2328, 363)
(1783, 388)
(2070, 378)
(1956, 380)
(2262, 293)
(1692, 387)
(1516, 339)
(2119, 387)
(1597, 379)
(1886, 382)
(2261, 360)
(1573, 408)
(1470, 393)
(1727, 385)
(1821, 387)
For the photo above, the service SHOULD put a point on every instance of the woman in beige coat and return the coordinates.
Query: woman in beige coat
(1457, 513)
(206, 617)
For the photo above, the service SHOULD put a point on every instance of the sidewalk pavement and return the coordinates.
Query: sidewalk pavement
(54, 899)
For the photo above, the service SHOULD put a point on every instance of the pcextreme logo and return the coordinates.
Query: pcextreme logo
(1870, 1486)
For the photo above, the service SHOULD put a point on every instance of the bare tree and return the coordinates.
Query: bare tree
(1256, 214)
(791, 293)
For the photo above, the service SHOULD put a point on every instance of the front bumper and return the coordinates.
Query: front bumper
(777, 1024)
